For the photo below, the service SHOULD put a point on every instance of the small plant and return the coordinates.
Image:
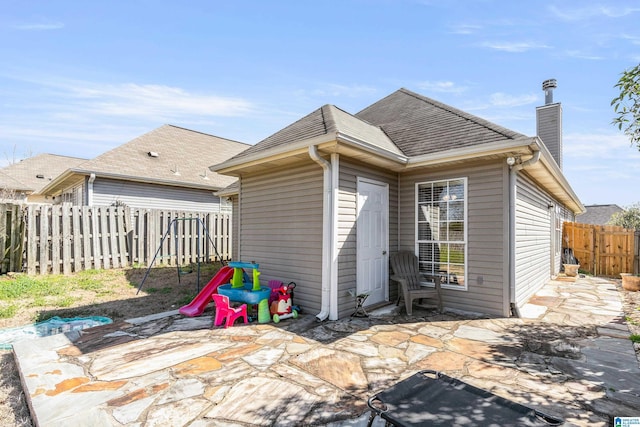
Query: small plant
(8, 311)
(635, 338)
(631, 321)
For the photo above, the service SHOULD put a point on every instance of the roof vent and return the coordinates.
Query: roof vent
(153, 154)
(40, 176)
(548, 86)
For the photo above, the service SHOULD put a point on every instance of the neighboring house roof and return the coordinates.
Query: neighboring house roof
(34, 173)
(598, 214)
(9, 183)
(402, 131)
(168, 155)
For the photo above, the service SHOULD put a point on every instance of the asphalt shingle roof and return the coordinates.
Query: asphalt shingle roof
(183, 158)
(402, 123)
(419, 125)
(598, 214)
(35, 172)
(327, 120)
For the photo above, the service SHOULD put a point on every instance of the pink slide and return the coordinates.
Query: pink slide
(200, 302)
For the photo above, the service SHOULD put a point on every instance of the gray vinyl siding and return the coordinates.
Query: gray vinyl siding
(281, 228)
(152, 196)
(347, 221)
(534, 230)
(487, 225)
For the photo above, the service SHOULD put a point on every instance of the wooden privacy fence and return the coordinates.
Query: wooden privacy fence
(602, 250)
(10, 238)
(42, 239)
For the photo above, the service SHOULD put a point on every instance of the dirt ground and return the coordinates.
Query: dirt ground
(161, 292)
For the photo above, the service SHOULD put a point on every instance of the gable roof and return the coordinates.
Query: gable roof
(168, 155)
(34, 173)
(419, 125)
(598, 214)
(329, 121)
(400, 132)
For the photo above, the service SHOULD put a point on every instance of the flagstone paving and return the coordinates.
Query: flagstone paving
(569, 355)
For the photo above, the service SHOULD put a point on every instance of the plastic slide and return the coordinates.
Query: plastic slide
(200, 302)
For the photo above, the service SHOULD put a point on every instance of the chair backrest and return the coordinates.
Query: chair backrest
(221, 301)
(405, 265)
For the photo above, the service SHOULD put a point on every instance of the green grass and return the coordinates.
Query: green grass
(635, 338)
(8, 311)
(630, 321)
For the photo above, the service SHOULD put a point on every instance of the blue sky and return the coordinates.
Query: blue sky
(78, 78)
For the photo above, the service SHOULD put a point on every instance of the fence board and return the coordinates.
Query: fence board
(67, 256)
(601, 250)
(65, 238)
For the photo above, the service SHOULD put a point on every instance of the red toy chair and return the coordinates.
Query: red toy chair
(224, 310)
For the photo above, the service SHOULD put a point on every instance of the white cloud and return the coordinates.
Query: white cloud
(51, 115)
(499, 102)
(150, 101)
(599, 146)
(580, 54)
(442, 87)
(465, 29)
(43, 26)
(578, 14)
(513, 47)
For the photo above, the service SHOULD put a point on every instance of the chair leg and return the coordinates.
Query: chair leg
(408, 304)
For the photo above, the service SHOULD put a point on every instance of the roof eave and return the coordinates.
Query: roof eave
(502, 148)
(62, 181)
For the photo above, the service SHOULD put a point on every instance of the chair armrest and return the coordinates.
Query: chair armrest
(398, 279)
(436, 280)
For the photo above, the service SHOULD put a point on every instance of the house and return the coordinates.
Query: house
(598, 214)
(325, 201)
(166, 168)
(23, 181)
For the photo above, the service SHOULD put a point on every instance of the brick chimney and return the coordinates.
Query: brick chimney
(549, 122)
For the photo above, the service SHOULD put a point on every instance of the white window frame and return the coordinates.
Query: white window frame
(464, 243)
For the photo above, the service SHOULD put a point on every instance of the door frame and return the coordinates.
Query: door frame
(385, 275)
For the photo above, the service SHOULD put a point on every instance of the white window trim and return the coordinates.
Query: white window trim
(466, 230)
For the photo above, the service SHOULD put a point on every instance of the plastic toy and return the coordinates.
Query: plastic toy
(281, 306)
(200, 302)
(224, 310)
(248, 292)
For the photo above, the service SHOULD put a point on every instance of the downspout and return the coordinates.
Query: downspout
(513, 175)
(90, 181)
(327, 233)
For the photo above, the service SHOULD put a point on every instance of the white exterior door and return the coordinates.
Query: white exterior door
(373, 236)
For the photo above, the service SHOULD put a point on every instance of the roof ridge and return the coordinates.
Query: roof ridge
(201, 133)
(328, 121)
(464, 115)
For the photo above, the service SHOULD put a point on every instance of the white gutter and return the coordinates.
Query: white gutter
(375, 149)
(327, 235)
(90, 182)
(513, 174)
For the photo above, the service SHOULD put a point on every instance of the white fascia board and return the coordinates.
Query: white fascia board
(52, 186)
(554, 170)
(468, 153)
(280, 151)
(371, 148)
